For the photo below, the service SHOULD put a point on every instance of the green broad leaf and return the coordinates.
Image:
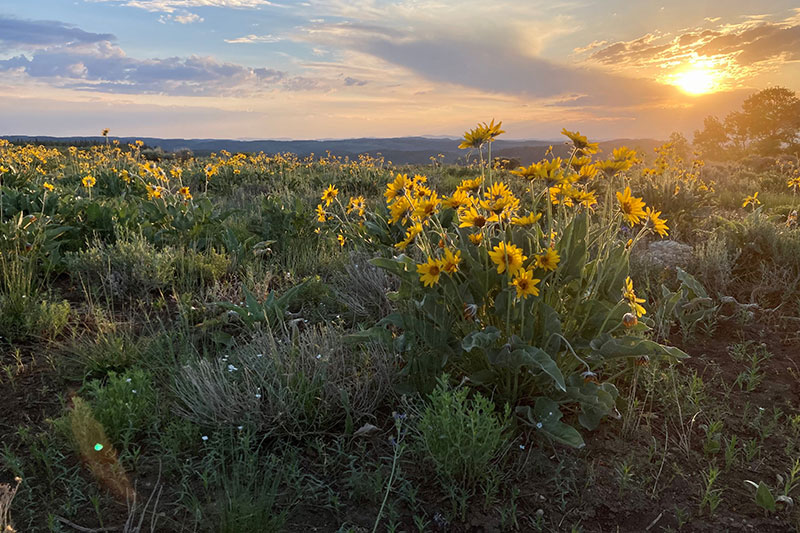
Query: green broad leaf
(480, 339)
(764, 497)
(537, 358)
(399, 266)
(597, 401)
(690, 282)
(610, 347)
(572, 248)
(482, 377)
(545, 416)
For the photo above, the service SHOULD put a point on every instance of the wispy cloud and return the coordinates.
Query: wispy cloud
(68, 57)
(16, 33)
(170, 6)
(252, 39)
(182, 18)
(499, 66)
(737, 51)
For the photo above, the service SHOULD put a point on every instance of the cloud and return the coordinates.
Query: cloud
(251, 39)
(184, 18)
(736, 51)
(489, 65)
(350, 82)
(16, 33)
(71, 58)
(170, 6)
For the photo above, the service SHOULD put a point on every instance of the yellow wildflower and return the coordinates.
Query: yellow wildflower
(429, 272)
(321, 215)
(525, 283)
(411, 234)
(659, 224)
(632, 208)
(548, 260)
(752, 200)
(329, 194)
(48, 186)
(507, 257)
(581, 142)
(471, 218)
(629, 296)
(528, 220)
(480, 135)
(88, 182)
(451, 261)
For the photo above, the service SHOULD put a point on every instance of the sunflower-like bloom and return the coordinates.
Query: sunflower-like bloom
(793, 183)
(341, 240)
(587, 173)
(48, 186)
(578, 163)
(184, 191)
(629, 296)
(562, 194)
(329, 194)
(549, 170)
(632, 208)
(476, 238)
(450, 261)
(525, 283)
(498, 198)
(321, 215)
(658, 224)
(458, 199)
(399, 208)
(89, 181)
(470, 218)
(429, 272)
(154, 192)
(411, 234)
(357, 204)
(507, 257)
(547, 260)
(528, 220)
(585, 198)
(580, 142)
(426, 207)
(470, 185)
(481, 134)
(752, 200)
(397, 187)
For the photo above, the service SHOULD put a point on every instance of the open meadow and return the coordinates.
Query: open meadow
(249, 342)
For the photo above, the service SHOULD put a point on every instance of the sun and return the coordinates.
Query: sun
(696, 81)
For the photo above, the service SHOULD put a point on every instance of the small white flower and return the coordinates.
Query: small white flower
(128, 380)
(259, 355)
(232, 368)
(134, 391)
(538, 425)
(521, 446)
(258, 395)
(319, 356)
(240, 428)
(205, 437)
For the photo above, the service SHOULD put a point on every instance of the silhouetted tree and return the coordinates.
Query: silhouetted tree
(767, 124)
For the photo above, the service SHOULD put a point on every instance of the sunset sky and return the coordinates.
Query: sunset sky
(339, 69)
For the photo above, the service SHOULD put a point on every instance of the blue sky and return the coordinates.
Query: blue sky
(335, 68)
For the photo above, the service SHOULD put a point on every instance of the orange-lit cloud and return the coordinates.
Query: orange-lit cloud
(733, 53)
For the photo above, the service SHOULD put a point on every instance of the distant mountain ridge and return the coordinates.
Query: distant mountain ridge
(398, 150)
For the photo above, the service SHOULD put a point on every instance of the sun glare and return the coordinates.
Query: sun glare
(696, 81)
